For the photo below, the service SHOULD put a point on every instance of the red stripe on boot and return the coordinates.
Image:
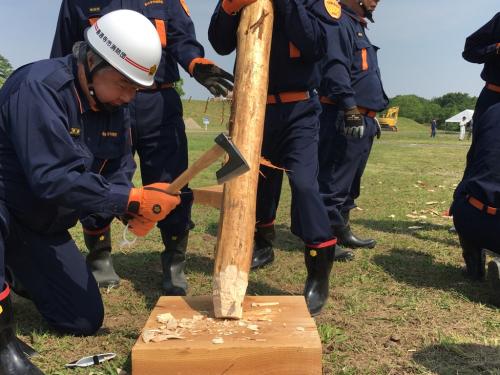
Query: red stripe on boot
(5, 293)
(322, 245)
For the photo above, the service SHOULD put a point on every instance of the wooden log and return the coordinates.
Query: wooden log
(286, 339)
(246, 126)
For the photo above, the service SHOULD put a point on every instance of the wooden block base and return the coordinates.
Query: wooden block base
(286, 342)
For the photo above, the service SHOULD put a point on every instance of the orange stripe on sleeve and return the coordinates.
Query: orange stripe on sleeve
(161, 29)
(364, 59)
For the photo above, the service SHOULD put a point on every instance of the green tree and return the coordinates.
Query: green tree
(178, 87)
(5, 69)
(424, 110)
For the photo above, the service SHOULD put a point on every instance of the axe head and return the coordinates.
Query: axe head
(236, 164)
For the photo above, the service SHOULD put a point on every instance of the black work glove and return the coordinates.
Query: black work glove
(379, 128)
(216, 80)
(354, 123)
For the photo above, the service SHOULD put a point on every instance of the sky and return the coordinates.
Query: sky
(420, 41)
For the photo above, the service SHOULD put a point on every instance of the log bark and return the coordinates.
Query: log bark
(246, 127)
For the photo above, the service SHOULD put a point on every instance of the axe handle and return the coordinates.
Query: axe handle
(205, 160)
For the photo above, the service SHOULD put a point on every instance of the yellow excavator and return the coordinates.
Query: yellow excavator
(389, 120)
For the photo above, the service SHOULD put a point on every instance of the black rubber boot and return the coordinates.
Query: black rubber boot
(173, 261)
(319, 265)
(263, 253)
(475, 259)
(99, 259)
(12, 359)
(343, 255)
(494, 281)
(346, 238)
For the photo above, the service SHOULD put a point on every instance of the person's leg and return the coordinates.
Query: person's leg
(470, 223)
(310, 221)
(57, 279)
(268, 193)
(359, 152)
(97, 237)
(13, 359)
(161, 143)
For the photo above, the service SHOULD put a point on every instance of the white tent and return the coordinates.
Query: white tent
(458, 117)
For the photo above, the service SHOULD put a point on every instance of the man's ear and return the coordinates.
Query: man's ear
(90, 60)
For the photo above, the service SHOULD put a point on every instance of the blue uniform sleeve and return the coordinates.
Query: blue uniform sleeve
(336, 83)
(302, 28)
(67, 30)
(181, 36)
(54, 167)
(483, 45)
(222, 30)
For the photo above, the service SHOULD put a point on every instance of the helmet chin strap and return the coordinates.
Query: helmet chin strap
(89, 75)
(368, 14)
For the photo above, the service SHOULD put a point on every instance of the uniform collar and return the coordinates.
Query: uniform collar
(351, 13)
(80, 96)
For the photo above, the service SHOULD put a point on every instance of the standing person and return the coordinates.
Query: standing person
(158, 128)
(351, 95)
(56, 117)
(476, 205)
(469, 128)
(462, 124)
(433, 128)
(290, 132)
(483, 47)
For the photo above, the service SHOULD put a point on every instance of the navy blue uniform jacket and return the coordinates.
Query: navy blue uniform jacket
(351, 75)
(298, 43)
(53, 147)
(170, 18)
(483, 47)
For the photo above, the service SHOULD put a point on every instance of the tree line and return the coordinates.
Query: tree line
(411, 106)
(424, 110)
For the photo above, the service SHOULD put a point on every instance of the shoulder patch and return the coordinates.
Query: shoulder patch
(333, 8)
(185, 7)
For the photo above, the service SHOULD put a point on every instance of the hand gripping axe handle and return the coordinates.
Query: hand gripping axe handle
(235, 166)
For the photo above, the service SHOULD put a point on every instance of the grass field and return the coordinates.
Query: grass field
(401, 308)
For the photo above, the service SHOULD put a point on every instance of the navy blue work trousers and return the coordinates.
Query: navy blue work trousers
(291, 141)
(55, 275)
(476, 226)
(159, 137)
(342, 162)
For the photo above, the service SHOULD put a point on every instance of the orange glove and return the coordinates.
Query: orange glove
(234, 6)
(152, 202)
(140, 226)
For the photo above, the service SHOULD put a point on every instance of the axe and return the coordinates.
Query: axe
(235, 166)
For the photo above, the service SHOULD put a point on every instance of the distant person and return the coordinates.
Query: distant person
(462, 124)
(476, 204)
(433, 128)
(468, 129)
(483, 47)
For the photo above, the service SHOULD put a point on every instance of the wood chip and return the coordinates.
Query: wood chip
(217, 340)
(262, 304)
(172, 324)
(302, 329)
(149, 334)
(164, 318)
(253, 327)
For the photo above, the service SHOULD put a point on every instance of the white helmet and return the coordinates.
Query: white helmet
(129, 42)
